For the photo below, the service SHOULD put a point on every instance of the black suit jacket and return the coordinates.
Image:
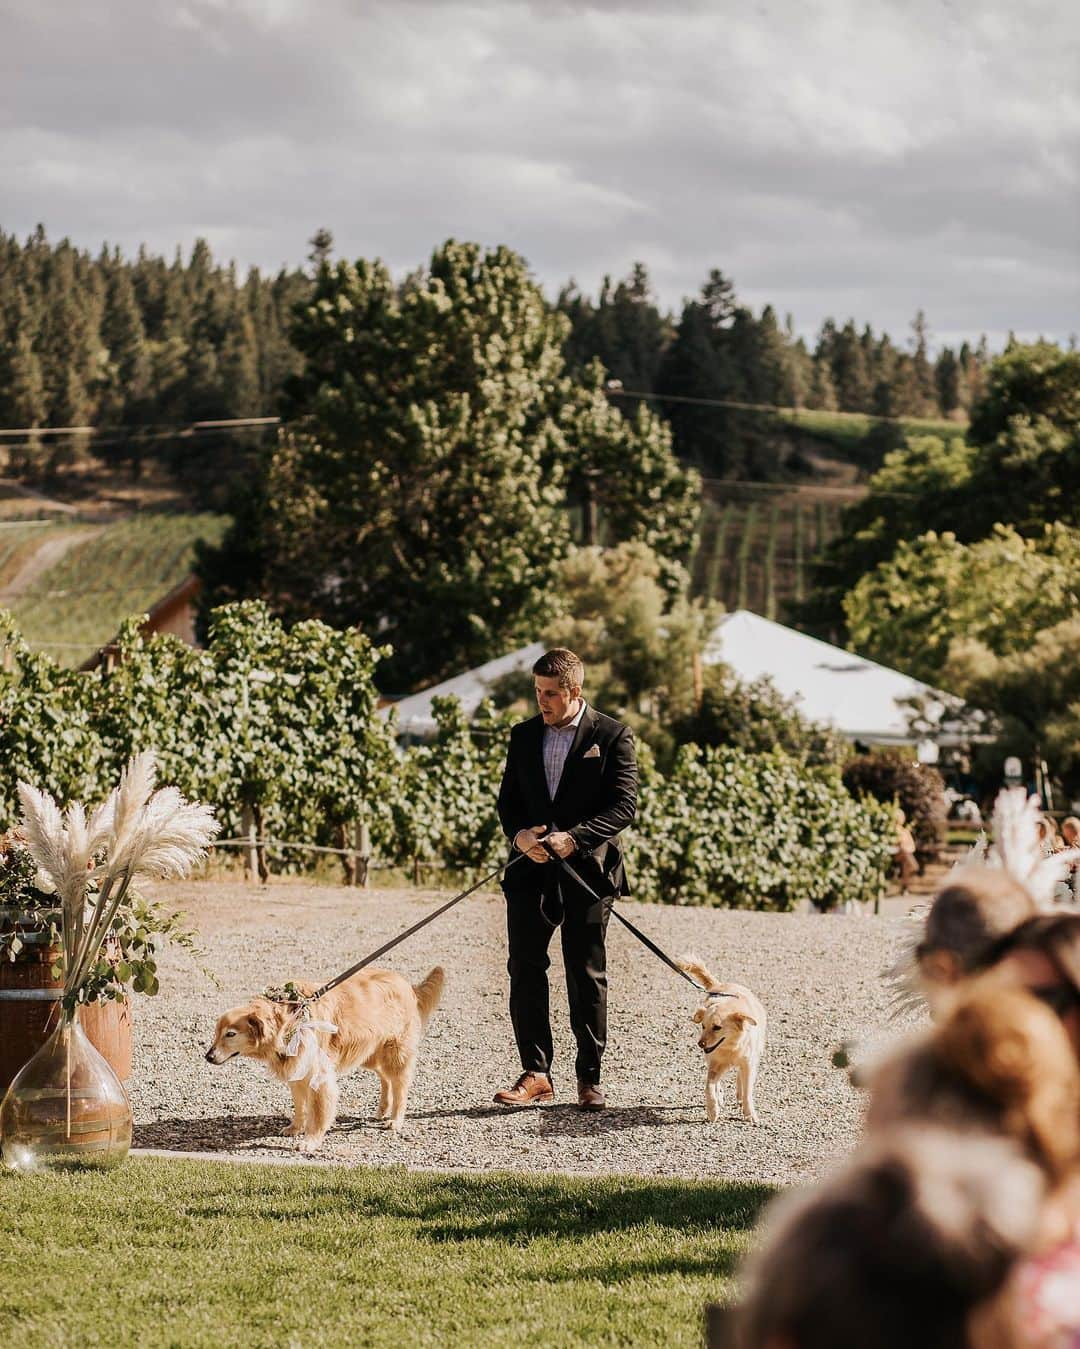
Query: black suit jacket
(596, 799)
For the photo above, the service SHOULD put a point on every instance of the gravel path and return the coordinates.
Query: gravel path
(818, 978)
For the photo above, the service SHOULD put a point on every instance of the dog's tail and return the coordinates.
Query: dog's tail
(428, 992)
(696, 970)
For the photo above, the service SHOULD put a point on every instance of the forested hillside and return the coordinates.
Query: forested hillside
(109, 342)
(127, 345)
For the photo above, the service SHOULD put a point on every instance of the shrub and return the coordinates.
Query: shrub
(755, 716)
(755, 831)
(890, 776)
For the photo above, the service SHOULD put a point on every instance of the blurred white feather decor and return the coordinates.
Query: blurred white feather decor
(1018, 847)
(1017, 850)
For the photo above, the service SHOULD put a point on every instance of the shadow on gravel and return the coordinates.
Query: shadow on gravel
(224, 1133)
(462, 1112)
(568, 1121)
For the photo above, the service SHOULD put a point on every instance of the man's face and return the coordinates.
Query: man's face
(556, 704)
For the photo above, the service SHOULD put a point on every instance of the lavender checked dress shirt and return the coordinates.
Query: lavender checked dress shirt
(557, 744)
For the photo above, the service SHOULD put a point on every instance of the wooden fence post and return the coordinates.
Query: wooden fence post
(361, 853)
(251, 851)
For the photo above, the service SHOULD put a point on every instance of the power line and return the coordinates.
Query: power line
(149, 432)
(789, 412)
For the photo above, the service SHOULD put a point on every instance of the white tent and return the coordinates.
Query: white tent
(471, 688)
(863, 700)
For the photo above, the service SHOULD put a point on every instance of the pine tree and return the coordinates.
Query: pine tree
(849, 372)
(408, 494)
(128, 356)
(925, 395)
(947, 378)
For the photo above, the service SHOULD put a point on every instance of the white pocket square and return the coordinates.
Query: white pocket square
(593, 752)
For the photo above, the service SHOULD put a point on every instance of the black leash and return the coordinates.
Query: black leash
(402, 936)
(645, 941)
(305, 1002)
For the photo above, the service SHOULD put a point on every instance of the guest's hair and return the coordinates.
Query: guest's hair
(898, 1249)
(1000, 1063)
(1056, 935)
(563, 665)
(974, 910)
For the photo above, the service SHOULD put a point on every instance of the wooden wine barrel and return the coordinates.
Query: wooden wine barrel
(30, 1009)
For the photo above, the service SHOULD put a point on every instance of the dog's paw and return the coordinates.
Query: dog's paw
(312, 1144)
(292, 1131)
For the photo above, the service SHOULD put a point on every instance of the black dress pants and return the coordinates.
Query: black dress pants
(531, 916)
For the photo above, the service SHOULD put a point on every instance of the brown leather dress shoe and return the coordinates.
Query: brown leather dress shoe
(529, 1089)
(590, 1097)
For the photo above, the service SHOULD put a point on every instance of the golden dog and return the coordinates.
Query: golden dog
(380, 1018)
(732, 1022)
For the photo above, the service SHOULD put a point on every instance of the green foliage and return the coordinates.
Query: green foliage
(78, 604)
(754, 716)
(892, 778)
(1033, 691)
(1018, 467)
(627, 465)
(433, 446)
(999, 592)
(407, 495)
(446, 788)
(755, 831)
(48, 730)
(637, 641)
(279, 721)
(124, 343)
(1029, 382)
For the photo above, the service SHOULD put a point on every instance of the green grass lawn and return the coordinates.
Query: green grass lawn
(185, 1253)
(847, 430)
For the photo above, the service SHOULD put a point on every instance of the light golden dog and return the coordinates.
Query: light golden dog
(732, 1022)
(380, 1018)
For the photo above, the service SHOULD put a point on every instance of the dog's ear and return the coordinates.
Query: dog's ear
(743, 1018)
(699, 1015)
(260, 1030)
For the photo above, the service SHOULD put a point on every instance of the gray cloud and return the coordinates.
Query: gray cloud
(845, 157)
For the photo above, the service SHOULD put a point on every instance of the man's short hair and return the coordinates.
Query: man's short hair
(563, 665)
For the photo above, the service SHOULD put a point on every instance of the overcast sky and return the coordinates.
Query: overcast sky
(843, 157)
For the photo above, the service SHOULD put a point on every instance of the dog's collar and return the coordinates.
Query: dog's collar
(716, 993)
(715, 1046)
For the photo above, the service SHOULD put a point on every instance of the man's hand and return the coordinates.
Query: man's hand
(527, 841)
(562, 845)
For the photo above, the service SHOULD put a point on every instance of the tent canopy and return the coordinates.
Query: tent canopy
(863, 700)
(471, 688)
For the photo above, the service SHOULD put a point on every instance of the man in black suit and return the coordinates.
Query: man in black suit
(570, 779)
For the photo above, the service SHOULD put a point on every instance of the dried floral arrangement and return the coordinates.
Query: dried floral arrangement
(71, 875)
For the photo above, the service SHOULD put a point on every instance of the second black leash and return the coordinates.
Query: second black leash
(645, 941)
(402, 936)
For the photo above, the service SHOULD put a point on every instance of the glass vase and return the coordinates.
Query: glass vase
(66, 1108)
